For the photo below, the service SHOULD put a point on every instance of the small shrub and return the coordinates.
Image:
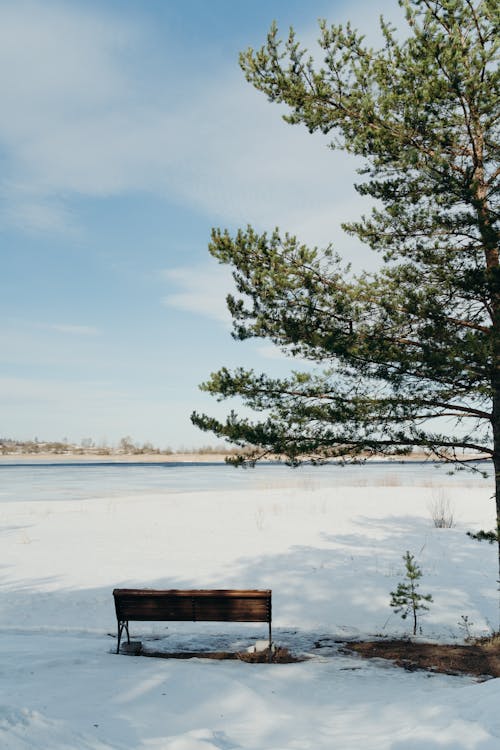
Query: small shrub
(406, 599)
(441, 511)
(466, 625)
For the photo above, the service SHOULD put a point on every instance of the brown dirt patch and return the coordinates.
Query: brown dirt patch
(479, 659)
(279, 655)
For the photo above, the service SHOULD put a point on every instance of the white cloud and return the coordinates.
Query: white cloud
(73, 330)
(82, 116)
(55, 408)
(200, 289)
(71, 120)
(250, 166)
(27, 389)
(270, 351)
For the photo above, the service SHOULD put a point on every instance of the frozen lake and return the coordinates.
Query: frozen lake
(65, 481)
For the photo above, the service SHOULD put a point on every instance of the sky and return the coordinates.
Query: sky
(128, 131)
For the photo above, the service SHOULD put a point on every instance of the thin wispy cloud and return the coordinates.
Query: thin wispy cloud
(71, 121)
(72, 330)
(54, 408)
(86, 119)
(201, 290)
(269, 351)
(126, 132)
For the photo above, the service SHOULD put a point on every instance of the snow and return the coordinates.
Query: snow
(330, 553)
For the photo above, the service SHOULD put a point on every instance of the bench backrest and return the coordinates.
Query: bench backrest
(216, 605)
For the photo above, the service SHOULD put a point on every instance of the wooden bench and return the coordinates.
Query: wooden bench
(168, 605)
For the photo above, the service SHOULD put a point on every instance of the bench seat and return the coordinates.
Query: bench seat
(195, 605)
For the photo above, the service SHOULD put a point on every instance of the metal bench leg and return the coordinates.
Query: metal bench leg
(121, 627)
(270, 642)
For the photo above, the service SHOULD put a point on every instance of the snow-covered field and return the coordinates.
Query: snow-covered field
(330, 553)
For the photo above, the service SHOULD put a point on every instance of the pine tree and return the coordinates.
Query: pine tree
(406, 599)
(409, 356)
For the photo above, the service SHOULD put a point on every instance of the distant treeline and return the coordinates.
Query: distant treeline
(126, 446)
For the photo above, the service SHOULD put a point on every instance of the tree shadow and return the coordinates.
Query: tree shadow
(335, 590)
(340, 588)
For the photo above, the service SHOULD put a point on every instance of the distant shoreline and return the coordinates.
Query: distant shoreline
(118, 458)
(151, 458)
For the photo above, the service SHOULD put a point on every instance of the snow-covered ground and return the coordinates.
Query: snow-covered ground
(331, 555)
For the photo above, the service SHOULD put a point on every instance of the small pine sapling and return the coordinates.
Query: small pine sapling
(406, 599)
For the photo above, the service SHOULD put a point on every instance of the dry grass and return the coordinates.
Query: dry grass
(441, 510)
(489, 643)
(480, 658)
(279, 655)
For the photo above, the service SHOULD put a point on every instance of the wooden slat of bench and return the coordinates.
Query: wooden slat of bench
(228, 593)
(152, 607)
(216, 605)
(204, 605)
(211, 609)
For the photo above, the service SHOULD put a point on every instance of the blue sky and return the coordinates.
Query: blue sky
(127, 131)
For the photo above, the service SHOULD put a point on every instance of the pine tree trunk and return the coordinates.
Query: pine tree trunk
(490, 239)
(496, 467)
(414, 602)
(495, 382)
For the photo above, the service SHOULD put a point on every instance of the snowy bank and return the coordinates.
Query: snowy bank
(331, 555)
